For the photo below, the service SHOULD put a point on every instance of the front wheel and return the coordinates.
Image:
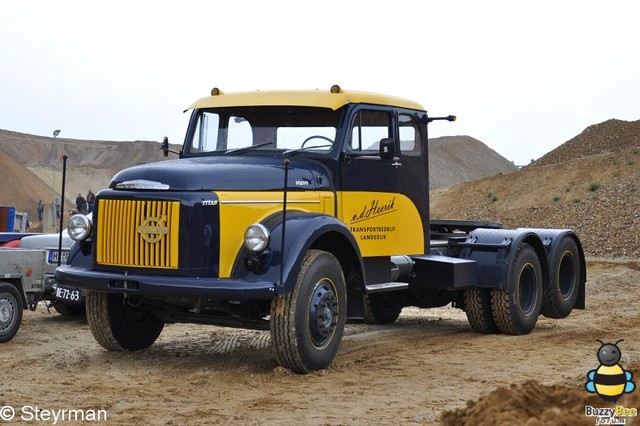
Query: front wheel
(120, 324)
(10, 311)
(307, 324)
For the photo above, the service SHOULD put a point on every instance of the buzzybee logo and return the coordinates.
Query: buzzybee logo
(610, 381)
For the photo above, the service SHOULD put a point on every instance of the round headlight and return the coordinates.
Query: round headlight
(256, 238)
(79, 227)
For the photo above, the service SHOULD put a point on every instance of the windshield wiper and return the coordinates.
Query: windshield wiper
(306, 148)
(246, 148)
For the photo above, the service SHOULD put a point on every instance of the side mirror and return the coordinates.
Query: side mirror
(387, 150)
(165, 146)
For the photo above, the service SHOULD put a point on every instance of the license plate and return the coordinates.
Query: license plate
(68, 294)
(53, 256)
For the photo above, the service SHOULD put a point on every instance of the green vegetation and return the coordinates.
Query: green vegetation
(556, 198)
(593, 187)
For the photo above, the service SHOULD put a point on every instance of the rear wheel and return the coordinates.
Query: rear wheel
(560, 295)
(120, 324)
(307, 323)
(477, 306)
(10, 311)
(382, 308)
(516, 310)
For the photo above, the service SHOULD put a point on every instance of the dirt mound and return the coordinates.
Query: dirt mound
(603, 138)
(532, 403)
(522, 404)
(457, 159)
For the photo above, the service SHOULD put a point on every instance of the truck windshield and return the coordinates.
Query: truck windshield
(237, 130)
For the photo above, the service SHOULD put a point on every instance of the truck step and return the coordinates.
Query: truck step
(392, 286)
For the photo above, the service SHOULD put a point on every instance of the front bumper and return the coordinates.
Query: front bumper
(164, 286)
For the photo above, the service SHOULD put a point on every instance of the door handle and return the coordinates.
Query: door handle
(396, 163)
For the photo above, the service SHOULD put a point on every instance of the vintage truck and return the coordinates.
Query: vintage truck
(293, 211)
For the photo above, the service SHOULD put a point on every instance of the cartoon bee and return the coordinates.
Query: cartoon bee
(609, 380)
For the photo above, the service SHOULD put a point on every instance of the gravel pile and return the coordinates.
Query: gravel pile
(603, 138)
(457, 159)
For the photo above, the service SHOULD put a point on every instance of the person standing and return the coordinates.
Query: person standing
(91, 199)
(40, 210)
(80, 202)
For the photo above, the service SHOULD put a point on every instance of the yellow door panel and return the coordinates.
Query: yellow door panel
(383, 223)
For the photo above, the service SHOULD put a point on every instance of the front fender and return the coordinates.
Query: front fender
(302, 232)
(79, 256)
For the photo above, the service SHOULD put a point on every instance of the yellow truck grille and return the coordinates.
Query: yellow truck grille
(138, 233)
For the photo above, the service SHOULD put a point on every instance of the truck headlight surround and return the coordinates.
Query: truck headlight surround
(79, 227)
(256, 238)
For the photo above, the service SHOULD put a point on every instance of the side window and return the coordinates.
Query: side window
(206, 135)
(368, 128)
(410, 142)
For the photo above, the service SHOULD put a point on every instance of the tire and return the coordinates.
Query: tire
(382, 308)
(119, 325)
(307, 324)
(516, 311)
(560, 295)
(477, 306)
(10, 311)
(68, 310)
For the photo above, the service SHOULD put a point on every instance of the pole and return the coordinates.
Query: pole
(53, 188)
(64, 179)
(284, 219)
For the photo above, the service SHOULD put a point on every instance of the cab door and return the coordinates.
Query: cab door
(379, 199)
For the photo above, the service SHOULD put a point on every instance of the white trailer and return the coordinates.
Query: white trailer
(22, 285)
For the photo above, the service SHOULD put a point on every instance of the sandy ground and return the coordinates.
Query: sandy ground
(428, 363)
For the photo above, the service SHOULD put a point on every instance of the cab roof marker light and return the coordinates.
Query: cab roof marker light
(335, 89)
(216, 92)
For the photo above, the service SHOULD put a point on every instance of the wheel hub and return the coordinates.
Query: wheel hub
(6, 313)
(323, 313)
(526, 291)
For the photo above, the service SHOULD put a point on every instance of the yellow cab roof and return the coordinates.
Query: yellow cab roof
(311, 98)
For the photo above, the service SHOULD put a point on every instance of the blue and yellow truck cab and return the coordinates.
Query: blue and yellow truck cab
(293, 211)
